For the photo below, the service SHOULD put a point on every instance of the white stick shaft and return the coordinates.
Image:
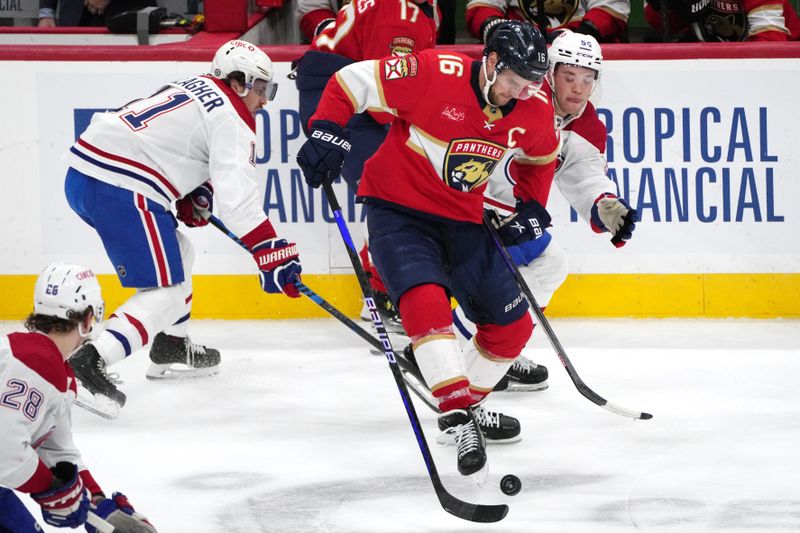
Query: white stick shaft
(99, 524)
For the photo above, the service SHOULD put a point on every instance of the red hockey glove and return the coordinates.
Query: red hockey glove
(195, 208)
(279, 265)
(66, 504)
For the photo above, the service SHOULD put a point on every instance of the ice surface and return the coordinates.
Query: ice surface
(304, 431)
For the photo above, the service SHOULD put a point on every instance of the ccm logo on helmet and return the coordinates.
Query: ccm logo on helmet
(86, 274)
(330, 138)
(242, 44)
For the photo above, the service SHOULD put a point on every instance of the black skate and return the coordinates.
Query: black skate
(470, 445)
(524, 375)
(497, 428)
(179, 357)
(90, 369)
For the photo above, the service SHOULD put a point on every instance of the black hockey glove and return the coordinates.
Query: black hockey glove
(613, 214)
(527, 223)
(322, 155)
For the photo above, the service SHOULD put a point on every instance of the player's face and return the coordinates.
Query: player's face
(510, 85)
(257, 97)
(573, 87)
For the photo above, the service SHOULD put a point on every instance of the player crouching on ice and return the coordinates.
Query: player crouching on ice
(191, 143)
(37, 388)
(455, 120)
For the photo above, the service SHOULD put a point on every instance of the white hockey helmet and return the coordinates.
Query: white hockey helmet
(241, 56)
(62, 288)
(577, 49)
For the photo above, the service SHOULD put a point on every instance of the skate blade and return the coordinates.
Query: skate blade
(179, 371)
(481, 475)
(97, 404)
(516, 386)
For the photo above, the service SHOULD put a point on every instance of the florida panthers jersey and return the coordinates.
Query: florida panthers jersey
(580, 169)
(610, 17)
(37, 388)
(166, 145)
(445, 142)
(371, 29)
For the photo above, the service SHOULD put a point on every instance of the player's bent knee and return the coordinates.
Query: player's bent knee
(506, 341)
(425, 308)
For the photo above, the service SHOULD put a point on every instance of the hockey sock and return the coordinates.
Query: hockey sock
(439, 360)
(493, 351)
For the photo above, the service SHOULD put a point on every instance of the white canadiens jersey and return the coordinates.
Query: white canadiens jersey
(166, 145)
(580, 172)
(37, 389)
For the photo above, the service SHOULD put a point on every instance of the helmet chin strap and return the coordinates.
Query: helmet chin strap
(488, 84)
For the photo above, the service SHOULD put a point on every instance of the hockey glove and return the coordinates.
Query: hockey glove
(195, 208)
(66, 503)
(279, 266)
(119, 512)
(322, 155)
(526, 224)
(613, 214)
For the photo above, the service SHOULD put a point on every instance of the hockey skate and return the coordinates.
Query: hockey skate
(524, 375)
(469, 441)
(178, 357)
(497, 428)
(90, 370)
(390, 315)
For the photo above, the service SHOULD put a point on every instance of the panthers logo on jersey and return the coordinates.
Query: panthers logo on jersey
(469, 162)
(401, 46)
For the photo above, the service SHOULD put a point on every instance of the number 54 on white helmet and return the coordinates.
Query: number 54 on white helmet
(252, 62)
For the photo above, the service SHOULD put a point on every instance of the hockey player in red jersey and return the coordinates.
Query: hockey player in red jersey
(37, 388)
(575, 66)
(606, 20)
(364, 30)
(456, 118)
(726, 20)
(191, 143)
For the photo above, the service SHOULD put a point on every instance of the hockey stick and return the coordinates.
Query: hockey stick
(451, 504)
(99, 524)
(418, 388)
(588, 393)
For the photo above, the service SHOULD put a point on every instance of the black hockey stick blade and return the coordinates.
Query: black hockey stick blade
(468, 511)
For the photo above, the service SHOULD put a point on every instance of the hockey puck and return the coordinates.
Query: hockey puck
(510, 485)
